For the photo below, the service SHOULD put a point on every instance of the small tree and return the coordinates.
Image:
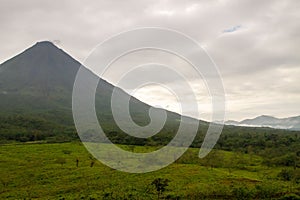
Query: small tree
(160, 186)
(92, 163)
(77, 162)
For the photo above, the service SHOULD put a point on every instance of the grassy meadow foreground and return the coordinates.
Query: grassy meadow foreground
(67, 171)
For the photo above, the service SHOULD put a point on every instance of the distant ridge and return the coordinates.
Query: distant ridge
(292, 123)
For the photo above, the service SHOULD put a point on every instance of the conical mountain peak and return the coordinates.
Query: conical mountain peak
(42, 65)
(39, 82)
(45, 46)
(44, 43)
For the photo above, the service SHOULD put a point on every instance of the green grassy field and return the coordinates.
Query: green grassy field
(49, 171)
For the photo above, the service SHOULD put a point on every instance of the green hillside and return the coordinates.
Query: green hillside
(51, 171)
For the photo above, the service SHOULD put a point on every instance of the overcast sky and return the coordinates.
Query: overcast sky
(255, 44)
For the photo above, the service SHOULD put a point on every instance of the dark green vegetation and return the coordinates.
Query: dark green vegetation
(50, 171)
(278, 147)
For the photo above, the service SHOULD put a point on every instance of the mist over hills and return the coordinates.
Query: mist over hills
(292, 123)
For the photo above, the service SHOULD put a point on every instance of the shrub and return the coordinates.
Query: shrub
(160, 186)
(66, 151)
(266, 191)
(242, 192)
(61, 161)
(290, 197)
(286, 174)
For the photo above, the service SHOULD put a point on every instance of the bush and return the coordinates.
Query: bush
(290, 197)
(66, 151)
(266, 191)
(286, 175)
(242, 192)
(61, 161)
(160, 186)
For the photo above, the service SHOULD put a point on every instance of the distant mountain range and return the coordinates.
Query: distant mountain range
(292, 123)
